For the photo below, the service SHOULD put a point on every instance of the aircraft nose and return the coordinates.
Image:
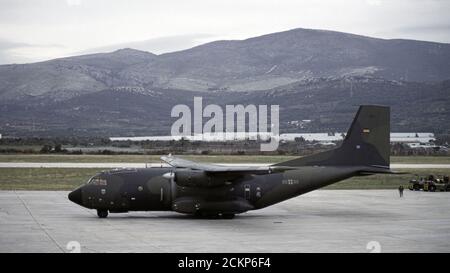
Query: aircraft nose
(75, 196)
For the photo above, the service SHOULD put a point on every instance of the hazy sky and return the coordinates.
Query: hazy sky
(33, 30)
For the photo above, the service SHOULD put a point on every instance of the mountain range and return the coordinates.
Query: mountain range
(312, 74)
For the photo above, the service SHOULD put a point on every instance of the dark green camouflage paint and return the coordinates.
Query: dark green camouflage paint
(364, 151)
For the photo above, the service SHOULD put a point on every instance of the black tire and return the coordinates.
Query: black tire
(228, 215)
(416, 187)
(197, 214)
(102, 213)
(203, 215)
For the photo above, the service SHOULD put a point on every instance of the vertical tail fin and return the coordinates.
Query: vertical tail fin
(366, 142)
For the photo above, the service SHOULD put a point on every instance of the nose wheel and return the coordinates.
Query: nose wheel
(102, 213)
(227, 215)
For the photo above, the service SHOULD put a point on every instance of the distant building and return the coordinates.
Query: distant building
(145, 138)
(200, 137)
(417, 145)
(412, 137)
(325, 138)
(319, 137)
(430, 145)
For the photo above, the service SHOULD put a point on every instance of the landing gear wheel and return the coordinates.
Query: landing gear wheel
(228, 215)
(102, 213)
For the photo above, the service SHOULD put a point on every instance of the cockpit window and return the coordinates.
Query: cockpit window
(97, 181)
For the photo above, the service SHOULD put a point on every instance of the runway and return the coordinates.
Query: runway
(320, 221)
(149, 165)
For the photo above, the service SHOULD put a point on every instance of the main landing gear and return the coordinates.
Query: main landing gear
(214, 215)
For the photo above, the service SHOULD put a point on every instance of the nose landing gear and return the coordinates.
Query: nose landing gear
(227, 215)
(102, 213)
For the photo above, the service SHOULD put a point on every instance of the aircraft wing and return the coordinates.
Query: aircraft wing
(218, 169)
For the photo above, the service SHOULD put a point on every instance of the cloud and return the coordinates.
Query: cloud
(72, 3)
(158, 45)
(425, 28)
(106, 25)
(18, 52)
(6, 48)
(430, 32)
(374, 2)
(5, 44)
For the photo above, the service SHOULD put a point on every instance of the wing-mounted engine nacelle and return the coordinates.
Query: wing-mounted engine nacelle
(197, 178)
(194, 178)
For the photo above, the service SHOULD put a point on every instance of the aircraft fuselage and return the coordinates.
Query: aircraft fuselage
(154, 189)
(211, 189)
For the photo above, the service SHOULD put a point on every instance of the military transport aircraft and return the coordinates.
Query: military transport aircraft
(210, 190)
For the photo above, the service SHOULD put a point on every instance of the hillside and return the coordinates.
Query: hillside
(312, 74)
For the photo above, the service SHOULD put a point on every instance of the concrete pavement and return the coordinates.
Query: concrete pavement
(320, 221)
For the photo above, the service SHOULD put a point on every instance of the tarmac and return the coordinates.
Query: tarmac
(320, 221)
(109, 165)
